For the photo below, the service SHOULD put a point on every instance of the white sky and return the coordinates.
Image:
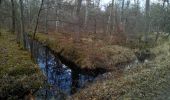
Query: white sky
(142, 2)
(107, 1)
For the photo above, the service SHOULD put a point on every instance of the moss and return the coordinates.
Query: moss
(18, 73)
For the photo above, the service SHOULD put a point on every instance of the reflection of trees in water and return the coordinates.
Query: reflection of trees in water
(59, 76)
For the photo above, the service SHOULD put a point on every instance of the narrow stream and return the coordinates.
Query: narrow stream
(62, 79)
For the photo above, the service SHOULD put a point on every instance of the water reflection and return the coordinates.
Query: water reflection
(60, 77)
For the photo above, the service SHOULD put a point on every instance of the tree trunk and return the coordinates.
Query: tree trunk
(78, 7)
(46, 17)
(122, 17)
(35, 29)
(57, 10)
(86, 14)
(77, 33)
(13, 17)
(147, 10)
(157, 34)
(122, 12)
(110, 22)
(22, 37)
(37, 19)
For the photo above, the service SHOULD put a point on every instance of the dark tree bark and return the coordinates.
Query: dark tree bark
(147, 10)
(35, 29)
(46, 17)
(122, 12)
(13, 16)
(37, 19)
(77, 17)
(78, 7)
(22, 37)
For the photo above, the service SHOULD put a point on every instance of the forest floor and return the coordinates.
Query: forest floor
(18, 74)
(148, 80)
(144, 81)
(88, 52)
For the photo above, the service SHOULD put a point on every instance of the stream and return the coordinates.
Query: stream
(62, 80)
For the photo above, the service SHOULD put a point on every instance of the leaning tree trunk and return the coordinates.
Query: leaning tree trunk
(37, 19)
(35, 29)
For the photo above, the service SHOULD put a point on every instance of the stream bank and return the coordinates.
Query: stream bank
(144, 81)
(63, 77)
(18, 74)
(65, 74)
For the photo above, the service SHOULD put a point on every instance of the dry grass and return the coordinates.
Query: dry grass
(89, 52)
(148, 81)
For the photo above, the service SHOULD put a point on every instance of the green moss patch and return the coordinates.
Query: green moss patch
(18, 73)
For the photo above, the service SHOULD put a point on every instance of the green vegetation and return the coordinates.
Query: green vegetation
(18, 73)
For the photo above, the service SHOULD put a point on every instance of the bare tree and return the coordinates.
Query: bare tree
(13, 17)
(147, 10)
(110, 22)
(86, 13)
(22, 37)
(122, 15)
(46, 17)
(77, 17)
(37, 19)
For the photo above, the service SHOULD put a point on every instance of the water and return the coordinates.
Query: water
(61, 78)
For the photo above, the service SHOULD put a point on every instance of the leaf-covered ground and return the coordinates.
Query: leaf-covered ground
(147, 81)
(18, 73)
(89, 52)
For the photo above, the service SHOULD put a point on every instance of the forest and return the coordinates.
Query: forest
(84, 50)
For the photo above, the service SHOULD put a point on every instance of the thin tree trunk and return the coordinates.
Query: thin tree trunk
(13, 16)
(77, 34)
(86, 14)
(122, 17)
(37, 19)
(157, 35)
(147, 10)
(0, 24)
(78, 7)
(58, 3)
(46, 17)
(22, 37)
(110, 21)
(35, 29)
(95, 26)
(122, 11)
